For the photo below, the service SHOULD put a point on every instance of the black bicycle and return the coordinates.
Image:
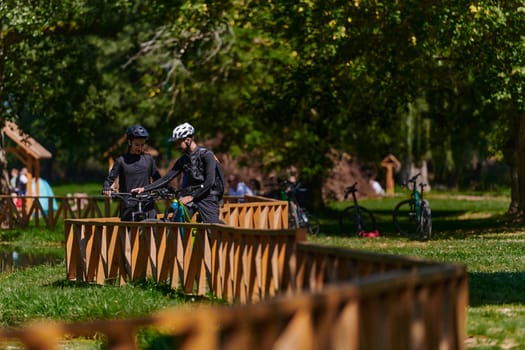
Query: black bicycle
(298, 215)
(138, 201)
(412, 217)
(355, 219)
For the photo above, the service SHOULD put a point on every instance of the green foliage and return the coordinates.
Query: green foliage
(287, 81)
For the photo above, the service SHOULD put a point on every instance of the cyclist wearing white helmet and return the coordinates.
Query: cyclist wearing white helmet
(133, 169)
(205, 181)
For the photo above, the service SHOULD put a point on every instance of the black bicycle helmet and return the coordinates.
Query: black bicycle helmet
(137, 132)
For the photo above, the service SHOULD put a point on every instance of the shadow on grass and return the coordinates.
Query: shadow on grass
(496, 288)
(147, 284)
(446, 224)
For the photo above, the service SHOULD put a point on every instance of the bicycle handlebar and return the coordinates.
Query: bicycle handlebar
(133, 196)
(168, 193)
(293, 186)
(350, 189)
(413, 180)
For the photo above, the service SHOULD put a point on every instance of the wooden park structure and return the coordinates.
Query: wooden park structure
(28, 151)
(391, 164)
(284, 293)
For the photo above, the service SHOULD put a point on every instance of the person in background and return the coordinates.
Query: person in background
(236, 187)
(376, 187)
(13, 180)
(273, 188)
(374, 184)
(133, 169)
(21, 183)
(255, 185)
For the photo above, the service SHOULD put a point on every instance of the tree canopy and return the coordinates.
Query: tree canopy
(430, 81)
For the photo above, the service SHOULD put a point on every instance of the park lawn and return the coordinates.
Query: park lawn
(90, 188)
(469, 230)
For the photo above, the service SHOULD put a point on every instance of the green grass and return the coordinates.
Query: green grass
(470, 230)
(42, 292)
(466, 229)
(91, 188)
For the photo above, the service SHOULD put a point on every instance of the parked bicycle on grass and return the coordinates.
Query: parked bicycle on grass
(298, 216)
(412, 217)
(355, 219)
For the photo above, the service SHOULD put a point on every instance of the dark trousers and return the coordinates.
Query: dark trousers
(208, 209)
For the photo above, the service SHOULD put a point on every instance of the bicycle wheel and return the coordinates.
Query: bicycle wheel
(405, 218)
(311, 223)
(350, 224)
(426, 221)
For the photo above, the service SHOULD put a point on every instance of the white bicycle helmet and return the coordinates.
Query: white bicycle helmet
(182, 131)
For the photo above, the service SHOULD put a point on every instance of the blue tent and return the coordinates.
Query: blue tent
(44, 190)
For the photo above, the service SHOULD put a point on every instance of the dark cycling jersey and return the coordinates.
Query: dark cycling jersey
(199, 169)
(132, 171)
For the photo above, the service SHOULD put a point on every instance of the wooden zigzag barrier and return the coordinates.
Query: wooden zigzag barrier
(285, 293)
(263, 212)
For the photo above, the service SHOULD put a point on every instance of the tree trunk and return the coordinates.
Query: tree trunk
(4, 177)
(517, 206)
(315, 199)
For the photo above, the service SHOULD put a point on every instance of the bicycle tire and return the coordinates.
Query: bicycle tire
(426, 224)
(405, 219)
(313, 225)
(348, 226)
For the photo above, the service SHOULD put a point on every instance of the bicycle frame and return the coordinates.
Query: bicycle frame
(139, 214)
(417, 196)
(298, 215)
(416, 209)
(180, 213)
(353, 190)
(290, 196)
(356, 218)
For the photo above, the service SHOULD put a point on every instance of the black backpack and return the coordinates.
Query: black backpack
(219, 180)
(218, 184)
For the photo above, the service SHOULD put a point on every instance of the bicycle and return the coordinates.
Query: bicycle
(412, 217)
(133, 199)
(298, 215)
(176, 211)
(356, 218)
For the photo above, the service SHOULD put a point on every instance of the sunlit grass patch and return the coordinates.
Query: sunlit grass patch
(474, 215)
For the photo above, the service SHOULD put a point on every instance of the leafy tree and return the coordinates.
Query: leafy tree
(287, 81)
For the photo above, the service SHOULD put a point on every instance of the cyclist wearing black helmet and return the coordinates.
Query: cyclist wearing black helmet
(133, 169)
(204, 178)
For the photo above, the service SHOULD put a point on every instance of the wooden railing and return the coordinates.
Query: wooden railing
(263, 212)
(56, 209)
(310, 297)
(288, 294)
(233, 263)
